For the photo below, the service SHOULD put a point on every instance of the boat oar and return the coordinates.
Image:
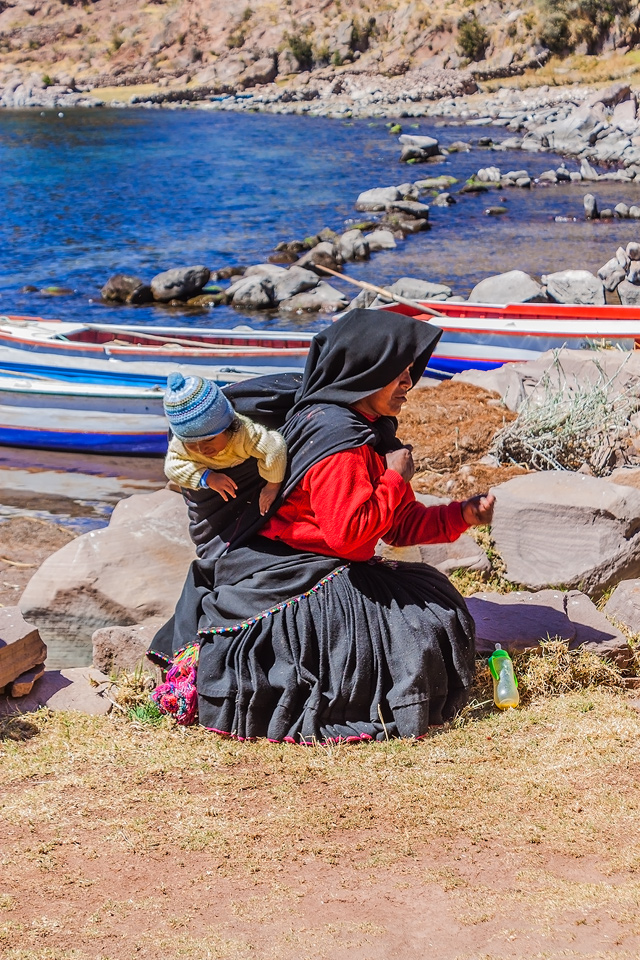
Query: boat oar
(381, 291)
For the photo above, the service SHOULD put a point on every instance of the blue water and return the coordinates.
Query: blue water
(95, 192)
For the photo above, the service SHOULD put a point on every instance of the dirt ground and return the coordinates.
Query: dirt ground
(511, 837)
(451, 427)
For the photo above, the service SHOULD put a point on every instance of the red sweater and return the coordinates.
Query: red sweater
(349, 501)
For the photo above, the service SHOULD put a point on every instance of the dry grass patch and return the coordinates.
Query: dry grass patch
(151, 830)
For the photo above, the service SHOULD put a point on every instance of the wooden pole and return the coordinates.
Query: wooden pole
(380, 290)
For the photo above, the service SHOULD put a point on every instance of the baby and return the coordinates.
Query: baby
(208, 436)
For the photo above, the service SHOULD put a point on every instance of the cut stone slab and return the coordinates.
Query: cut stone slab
(77, 688)
(120, 575)
(23, 684)
(520, 620)
(463, 554)
(124, 648)
(21, 647)
(557, 528)
(516, 286)
(624, 605)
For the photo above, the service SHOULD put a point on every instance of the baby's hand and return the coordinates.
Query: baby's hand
(267, 495)
(222, 484)
(478, 510)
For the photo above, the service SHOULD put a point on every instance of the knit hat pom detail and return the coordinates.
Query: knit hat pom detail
(175, 381)
(196, 408)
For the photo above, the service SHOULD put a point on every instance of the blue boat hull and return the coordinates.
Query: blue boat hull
(143, 444)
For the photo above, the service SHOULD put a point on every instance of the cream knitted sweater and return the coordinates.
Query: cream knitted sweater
(186, 467)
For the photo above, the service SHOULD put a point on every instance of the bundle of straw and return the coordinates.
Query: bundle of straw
(564, 425)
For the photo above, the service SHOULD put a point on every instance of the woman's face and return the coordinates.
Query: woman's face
(388, 401)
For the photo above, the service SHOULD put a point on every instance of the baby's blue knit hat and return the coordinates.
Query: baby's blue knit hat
(196, 408)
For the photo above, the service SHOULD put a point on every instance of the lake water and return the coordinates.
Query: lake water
(94, 192)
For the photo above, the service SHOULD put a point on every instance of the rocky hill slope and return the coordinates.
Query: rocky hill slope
(224, 46)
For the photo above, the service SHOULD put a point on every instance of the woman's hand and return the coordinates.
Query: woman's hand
(402, 462)
(478, 510)
(267, 495)
(222, 484)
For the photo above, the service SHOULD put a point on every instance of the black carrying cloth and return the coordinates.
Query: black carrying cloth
(373, 637)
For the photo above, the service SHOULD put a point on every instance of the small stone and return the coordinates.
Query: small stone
(23, 684)
(590, 207)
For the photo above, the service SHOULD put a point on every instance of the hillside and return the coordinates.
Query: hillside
(228, 46)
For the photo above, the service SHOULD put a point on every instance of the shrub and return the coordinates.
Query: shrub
(301, 49)
(48, 82)
(472, 37)
(554, 33)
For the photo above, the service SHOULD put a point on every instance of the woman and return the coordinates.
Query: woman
(303, 635)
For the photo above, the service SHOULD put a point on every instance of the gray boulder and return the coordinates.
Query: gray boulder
(293, 281)
(633, 250)
(324, 299)
(254, 292)
(414, 289)
(512, 287)
(377, 198)
(120, 575)
(353, 246)
(179, 283)
(412, 208)
(611, 273)
(558, 527)
(380, 240)
(629, 293)
(325, 254)
(587, 172)
(520, 620)
(262, 71)
(444, 200)
(429, 144)
(270, 270)
(633, 273)
(574, 286)
(125, 288)
(490, 174)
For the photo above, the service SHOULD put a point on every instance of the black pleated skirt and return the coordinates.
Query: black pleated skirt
(305, 648)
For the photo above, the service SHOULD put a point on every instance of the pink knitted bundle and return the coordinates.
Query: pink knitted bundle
(178, 696)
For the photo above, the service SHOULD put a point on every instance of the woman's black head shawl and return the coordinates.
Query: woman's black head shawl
(361, 353)
(349, 360)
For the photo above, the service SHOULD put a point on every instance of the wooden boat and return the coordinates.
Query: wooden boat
(50, 414)
(484, 336)
(127, 354)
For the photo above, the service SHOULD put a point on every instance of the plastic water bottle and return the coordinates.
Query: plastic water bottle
(505, 683)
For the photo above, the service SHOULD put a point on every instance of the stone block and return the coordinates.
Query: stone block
(624, 605)
(557, 528)
(124, 648)
(520, 620)
(83, 689)
(21, 647)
